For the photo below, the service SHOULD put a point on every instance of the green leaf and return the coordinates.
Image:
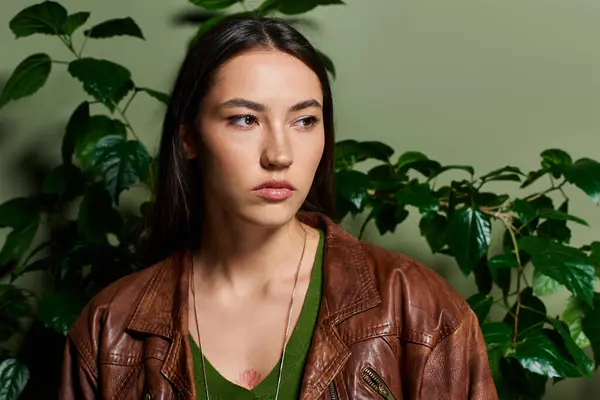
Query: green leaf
(595, 249)
(267, 7)
(98, 127)
(14, 303)
(584, 364)
(419, 196)
(29, 76)
(532, 177)
(388, 216)
(531, 314)
(419, 162)
(214, 4)
(16, 244)
(591, 328)
(487, 199)
(353, 186)
(525, 211)
(469, 234)
(43, 264)
(568, 266)
(47, 17)
(433, 228)
(291, 7)
(481, 306)
(162, 97)
(327, 62)
(19, 212)
(115, 27)
(57, 310)
(585, 174)
(483, 277)
(543, 285)
(121, 162)
(573, 317)
(502, 171)
(350, 152)
(102, 79)
(507, 260)
(539, 354)
(65, 180)
(76, 127)
(74, 22)
(383, 177)
(561, 216)
(13, 378)
(497, 335)
(556, 161)
(97, 217)
(466, 168)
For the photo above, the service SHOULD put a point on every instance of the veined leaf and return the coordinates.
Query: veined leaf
(104, 80)
(556, 161)
(469, 235)
(419, 196)
(97, 217)
(162, 97)
(121, 162)
(59, 309)
(591, 328)
(29, 76)
(353, 186)
(507, 260)
(433, 227)
(98, 126)
(481, 305)
(74, 22)
(573, 316)
(543, 285)
(539, 354)
(568, 266)
(214, 4)
(585, 174)
(13, 378)
(115, 27)
(76, 128)
(560, 216)
(298, 7)
(19, 212)
(47, 17)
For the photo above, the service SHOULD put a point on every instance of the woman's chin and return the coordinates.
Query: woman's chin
(271, 215)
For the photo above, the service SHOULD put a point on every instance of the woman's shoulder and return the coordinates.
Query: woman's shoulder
(424, 301)
(114, 304)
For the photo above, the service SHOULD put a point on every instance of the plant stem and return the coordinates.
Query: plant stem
(127, 123)
(516, 247)
(552, 189)
(85, 38)
(364, 225)
(60, 62)
(130, 100)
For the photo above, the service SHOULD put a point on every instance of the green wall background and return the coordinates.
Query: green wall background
(479, 82)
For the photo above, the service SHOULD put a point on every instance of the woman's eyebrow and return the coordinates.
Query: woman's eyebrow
(258, 107)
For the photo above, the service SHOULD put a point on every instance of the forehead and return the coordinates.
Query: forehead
(268, 76)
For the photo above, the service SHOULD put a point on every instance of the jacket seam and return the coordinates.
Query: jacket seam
(434, 348)
(84, 353)
(127, 381)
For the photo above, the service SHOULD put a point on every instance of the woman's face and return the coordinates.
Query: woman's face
(262, 137)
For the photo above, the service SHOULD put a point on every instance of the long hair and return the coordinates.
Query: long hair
(177, 217)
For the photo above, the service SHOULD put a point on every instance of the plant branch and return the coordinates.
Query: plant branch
(513, 236)
(60, 62)
(130, 100)
(85, 38)
(552, 189)
(127, 123)
(364, 225)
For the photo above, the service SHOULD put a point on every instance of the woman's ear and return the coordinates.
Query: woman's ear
(186, 139)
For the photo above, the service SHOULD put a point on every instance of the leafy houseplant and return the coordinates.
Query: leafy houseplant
(102, 157)
(527, 346)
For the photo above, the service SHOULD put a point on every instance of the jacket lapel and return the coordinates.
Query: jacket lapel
(348, 289)
(162, 311)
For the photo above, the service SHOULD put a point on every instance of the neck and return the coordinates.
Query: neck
(245, 256)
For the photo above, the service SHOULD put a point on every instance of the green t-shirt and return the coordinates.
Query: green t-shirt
(295, 356)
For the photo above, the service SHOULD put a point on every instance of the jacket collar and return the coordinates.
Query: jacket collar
(348, 289)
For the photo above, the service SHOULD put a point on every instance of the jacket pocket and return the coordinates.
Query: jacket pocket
(374, 381)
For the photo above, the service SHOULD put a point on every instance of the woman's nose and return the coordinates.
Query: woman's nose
(277, 152)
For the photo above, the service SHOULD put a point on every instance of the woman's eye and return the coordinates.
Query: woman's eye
(306, 122)
(244, 121)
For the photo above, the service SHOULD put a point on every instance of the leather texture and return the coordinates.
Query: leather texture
(380, 311)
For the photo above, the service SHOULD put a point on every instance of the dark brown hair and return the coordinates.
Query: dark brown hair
(177, 217)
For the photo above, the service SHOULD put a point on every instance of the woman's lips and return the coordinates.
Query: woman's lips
(275, 190)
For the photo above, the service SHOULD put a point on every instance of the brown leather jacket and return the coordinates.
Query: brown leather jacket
(388, 328)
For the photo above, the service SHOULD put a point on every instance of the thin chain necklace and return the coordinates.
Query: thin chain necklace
(287, 329)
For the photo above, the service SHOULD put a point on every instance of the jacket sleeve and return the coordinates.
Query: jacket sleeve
(458, 366)
(78, 380)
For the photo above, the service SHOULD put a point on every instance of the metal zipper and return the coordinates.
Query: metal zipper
(376, 383)
(333, 391)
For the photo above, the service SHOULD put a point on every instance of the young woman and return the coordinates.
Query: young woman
(254, 292)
